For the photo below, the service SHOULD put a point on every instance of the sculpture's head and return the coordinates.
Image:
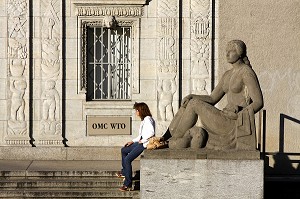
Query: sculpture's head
(50, 84)
(236, 49)
(110, 22)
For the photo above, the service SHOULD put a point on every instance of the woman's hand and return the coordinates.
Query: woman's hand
(186, 100)
(129, 143)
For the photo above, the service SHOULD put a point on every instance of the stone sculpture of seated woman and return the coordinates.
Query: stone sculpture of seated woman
(230, 128)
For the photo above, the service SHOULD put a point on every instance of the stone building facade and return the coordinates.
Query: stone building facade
(67, 65)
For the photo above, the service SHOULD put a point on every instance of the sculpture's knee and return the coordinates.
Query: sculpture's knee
(195, 103)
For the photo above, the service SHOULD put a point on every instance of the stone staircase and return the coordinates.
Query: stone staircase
(64, 184)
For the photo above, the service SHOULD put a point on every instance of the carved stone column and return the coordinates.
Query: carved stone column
(200, 48)
(17, 131)
(49, 130)
(167, 56)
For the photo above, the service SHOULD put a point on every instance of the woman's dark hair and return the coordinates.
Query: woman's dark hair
(143, 109)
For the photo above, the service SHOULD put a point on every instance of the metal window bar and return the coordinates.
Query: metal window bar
(95, 53)
(109, 64)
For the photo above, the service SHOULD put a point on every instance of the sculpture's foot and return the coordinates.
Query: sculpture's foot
(179, 143)
(199, 137)
(194, 138)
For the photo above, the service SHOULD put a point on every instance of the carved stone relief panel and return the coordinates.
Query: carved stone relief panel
(167, 74)
(17, 80)
(200, 46)
(51, 67)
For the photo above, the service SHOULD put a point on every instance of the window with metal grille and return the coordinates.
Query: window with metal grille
(108, 65)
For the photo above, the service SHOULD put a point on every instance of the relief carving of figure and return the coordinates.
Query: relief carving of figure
(230, 128)
(50, 99)
(17, 88)
(199, 87)
(17, 67)
(166, 90)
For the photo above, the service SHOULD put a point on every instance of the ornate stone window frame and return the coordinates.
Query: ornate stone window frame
(94, 15)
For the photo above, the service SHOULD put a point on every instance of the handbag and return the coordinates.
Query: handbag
(157, 143)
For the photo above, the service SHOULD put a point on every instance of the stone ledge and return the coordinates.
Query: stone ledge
(201, 154)
(60, 153)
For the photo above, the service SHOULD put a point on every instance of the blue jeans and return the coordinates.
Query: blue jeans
(130, 153)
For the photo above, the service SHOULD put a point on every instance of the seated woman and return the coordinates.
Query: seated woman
(230, 128)
(134, 148)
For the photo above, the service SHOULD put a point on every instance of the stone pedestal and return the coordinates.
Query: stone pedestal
(201, 174)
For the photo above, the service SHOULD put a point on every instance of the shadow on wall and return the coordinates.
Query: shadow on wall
(283, 165)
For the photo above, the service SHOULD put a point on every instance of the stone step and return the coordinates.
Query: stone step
(60, 183)
(100, 193)
(63, 179)
(56, 174)
(48, 175)
(39, 175)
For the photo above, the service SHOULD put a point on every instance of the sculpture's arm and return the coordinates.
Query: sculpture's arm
(214, 97)
(159, 86)
(174, 88)
(12, 87)
(251, 81)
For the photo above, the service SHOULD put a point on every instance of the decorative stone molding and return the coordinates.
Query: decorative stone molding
(84, 23)
(109, 2)
(118, 11)
(17, 58)
(94, 13)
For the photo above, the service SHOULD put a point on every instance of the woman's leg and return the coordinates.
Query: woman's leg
(125, 151)
(137, 150)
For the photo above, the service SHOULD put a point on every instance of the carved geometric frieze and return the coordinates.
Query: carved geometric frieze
(200, 48)
(167, 74)
(118, 11)
(17, 85)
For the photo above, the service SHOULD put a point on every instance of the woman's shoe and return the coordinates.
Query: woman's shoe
(125, 188)
(120, 175)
